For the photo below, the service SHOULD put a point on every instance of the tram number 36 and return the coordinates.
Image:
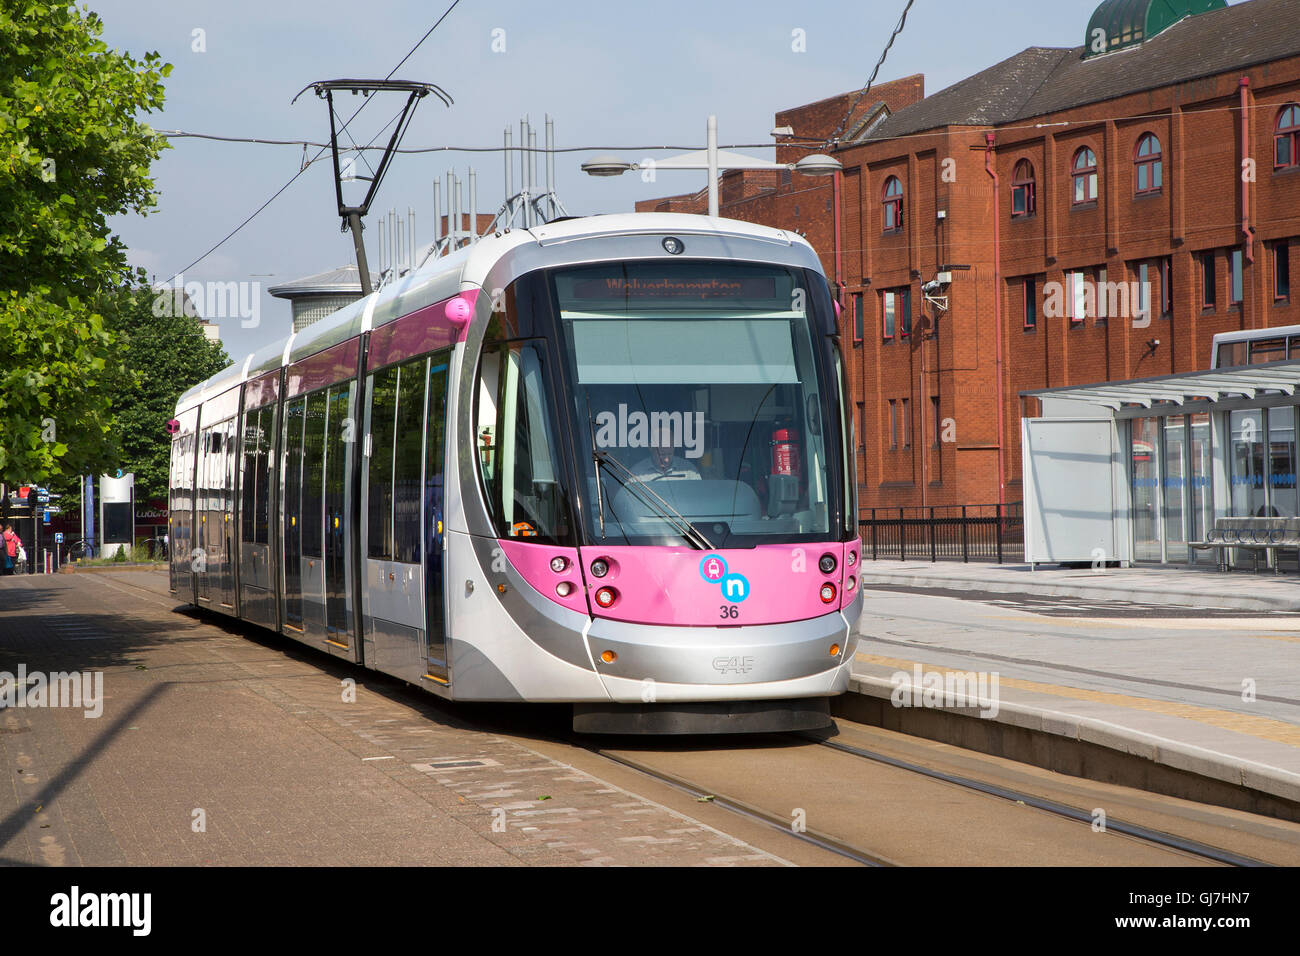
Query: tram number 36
(729, 610)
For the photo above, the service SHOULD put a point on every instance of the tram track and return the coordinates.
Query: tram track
(1146, 834)
(779, 823)
(1118, 840)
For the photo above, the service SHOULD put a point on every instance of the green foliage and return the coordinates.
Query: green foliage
(167, 353)
(59, 370)
(73, 153)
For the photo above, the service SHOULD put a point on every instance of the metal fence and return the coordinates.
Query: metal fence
(945, 533)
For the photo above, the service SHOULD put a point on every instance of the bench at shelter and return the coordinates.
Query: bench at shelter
(1252, 534)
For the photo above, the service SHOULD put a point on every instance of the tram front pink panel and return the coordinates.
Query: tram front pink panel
(533, 562)
(769, 584)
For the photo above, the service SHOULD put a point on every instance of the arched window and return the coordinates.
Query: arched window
(1085, 176)
(1149, 174)
(893, 204)
(1022, 190)
(1286, 141)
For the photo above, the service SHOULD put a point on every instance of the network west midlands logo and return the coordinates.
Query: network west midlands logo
(735, 587)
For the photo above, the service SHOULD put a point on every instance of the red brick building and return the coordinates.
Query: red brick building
(1165, 154)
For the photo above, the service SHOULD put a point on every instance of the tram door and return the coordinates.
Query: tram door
(295, 413)
(203, 505)
(434, 464)
(230, 446)
(340, 442)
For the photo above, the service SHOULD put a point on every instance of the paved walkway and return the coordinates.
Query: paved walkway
(1212, 691)
(1179, 585)
(218, 748)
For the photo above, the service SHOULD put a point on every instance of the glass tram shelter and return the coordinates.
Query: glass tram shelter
(1132, 471)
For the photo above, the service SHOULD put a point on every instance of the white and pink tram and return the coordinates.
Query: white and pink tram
(604, 461)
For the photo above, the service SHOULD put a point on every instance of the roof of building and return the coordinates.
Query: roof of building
(1042, 80)
(341, 280)
(1183, 388)
(1117, 24)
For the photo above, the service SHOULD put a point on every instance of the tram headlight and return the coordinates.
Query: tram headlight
(851, 583)
(828, 593)
(600, 567)
(558, 564)
(605, 597)
(827, 563)
(853, 558)
(564, 589)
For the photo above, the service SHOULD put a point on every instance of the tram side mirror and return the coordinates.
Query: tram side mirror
(814, 416)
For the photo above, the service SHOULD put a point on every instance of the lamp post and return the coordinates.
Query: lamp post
(714, 161)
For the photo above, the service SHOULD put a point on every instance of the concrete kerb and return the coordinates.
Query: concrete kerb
(1029, 583)
(1047, 724)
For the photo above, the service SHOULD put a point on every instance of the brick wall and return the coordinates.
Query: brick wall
(1197, 210)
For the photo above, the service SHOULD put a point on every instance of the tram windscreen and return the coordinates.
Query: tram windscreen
(699, 390)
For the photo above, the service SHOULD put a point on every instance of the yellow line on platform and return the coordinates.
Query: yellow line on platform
(1265, 728)
(1225, 625)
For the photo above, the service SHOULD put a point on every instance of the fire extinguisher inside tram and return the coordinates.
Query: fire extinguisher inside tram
(785, 451)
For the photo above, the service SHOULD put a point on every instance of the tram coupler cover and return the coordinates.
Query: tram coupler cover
(707, 717)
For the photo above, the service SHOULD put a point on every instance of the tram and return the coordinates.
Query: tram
(604, 461)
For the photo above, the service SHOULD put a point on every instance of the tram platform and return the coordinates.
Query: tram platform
(215, 744)
(1180, 585)
(1180, 681)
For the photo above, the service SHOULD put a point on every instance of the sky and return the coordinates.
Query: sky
(610, 74)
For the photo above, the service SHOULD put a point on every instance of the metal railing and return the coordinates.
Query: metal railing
(945, 533)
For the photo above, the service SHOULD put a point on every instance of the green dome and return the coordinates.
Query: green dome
(1117, 24)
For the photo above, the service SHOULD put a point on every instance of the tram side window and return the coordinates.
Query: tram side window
(516, 442)
(232, 472)
(383, 411)
(408, 460)
(294, 413)
(262, 520)
(207, 469)
(250, 489)
(313, 476)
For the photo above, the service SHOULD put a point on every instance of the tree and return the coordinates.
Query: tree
(72, 154)
(58, 370)
(167, 353)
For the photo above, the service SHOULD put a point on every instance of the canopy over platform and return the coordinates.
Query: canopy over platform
(1184, 388)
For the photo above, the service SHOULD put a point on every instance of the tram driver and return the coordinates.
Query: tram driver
(663, 462)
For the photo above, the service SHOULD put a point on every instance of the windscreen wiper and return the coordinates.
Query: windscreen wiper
(639, 487)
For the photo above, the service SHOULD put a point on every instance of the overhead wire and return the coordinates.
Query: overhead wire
(308, 162)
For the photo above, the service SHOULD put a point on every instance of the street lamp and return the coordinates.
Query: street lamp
(713, 160)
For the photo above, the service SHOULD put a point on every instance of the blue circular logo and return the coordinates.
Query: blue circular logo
(735, 588)
(713, 568)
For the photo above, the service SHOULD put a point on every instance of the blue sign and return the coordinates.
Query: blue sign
(45, 518)
(735, 587)
(58, 537)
